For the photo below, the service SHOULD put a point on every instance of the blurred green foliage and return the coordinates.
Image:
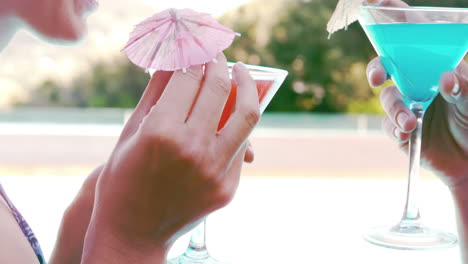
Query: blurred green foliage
(117, 84)
(326, 75)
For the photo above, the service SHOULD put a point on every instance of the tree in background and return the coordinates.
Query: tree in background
(48, 93)
(112, 84)
(117, 84)
(326, 75)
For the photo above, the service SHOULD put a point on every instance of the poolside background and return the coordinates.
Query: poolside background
(318, 181)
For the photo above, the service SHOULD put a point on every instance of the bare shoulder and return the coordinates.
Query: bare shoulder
(14, 247)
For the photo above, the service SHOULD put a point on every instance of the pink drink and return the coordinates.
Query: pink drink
(263, 87)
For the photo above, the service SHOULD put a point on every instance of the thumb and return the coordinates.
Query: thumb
(150, 97)
(454, 88)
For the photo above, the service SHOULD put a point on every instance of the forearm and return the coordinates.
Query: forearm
(460, 195)
(69, 246)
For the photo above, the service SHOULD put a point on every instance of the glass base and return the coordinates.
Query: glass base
(412, 237)
(186, 260)
(194, 256)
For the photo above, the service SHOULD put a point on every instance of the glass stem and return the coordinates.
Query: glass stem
(197, 246)
(411, 216)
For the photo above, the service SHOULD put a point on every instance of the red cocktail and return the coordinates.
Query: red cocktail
(263, 89)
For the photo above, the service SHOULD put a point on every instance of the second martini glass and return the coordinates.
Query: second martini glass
(416, 45)
(268, 82)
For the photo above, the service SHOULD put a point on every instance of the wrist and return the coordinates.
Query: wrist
(103, 246)
(460, 197)
(460, 191)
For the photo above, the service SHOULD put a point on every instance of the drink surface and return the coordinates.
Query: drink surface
(263, 87)
(416, 55)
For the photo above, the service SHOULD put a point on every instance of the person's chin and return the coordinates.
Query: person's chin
(67, 34)
(77, 33)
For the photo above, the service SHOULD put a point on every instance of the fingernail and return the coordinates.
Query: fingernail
(402, 118)
(456, 87)
(371, 73)
(239, 66)
(396, 133)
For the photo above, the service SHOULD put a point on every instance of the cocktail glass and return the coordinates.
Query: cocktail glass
(268, 82)
(416, 45)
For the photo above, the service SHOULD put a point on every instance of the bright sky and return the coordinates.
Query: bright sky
(215, 7)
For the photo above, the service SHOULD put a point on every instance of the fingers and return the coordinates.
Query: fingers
(180, 93)
(232, 178)
(400, 15)
(395, 132)
(149, 98)
(213, 95)
(376, 73)
(397, 112)
(454, 88)
(245, 116)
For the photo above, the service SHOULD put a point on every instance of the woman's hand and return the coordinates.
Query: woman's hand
(172, 170)
(445, 130)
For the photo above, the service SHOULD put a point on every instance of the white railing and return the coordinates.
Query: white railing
(109, 122)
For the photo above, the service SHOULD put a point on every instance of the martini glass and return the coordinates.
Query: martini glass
(416, 45)
(268, 82)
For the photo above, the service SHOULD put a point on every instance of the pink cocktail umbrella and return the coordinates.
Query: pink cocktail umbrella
(177, 39)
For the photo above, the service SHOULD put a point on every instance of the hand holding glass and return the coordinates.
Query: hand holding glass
(416, 46)
(268, 82)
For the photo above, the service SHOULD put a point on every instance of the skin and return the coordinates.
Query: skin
(9, 247)
(198, 167)
(57, 20)
(445, 131)
(158, 155)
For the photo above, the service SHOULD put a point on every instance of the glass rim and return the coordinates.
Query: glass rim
(256, 71)
(418, 8)
(262, 70)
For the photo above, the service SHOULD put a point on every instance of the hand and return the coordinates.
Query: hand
(445, 130)
(171, 171)
(69, 246)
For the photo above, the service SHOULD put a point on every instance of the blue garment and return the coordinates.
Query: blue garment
(25, 227)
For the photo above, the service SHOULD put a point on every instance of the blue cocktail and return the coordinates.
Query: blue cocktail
(416, 45)
(416, 55)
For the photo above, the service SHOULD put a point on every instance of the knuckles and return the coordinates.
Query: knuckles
(394, 108)
(385, 94)
(251, 116)
(220, 86)
(225, 194)
(189, 150)
(194, 74)
(192, 154)
(390, 100)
